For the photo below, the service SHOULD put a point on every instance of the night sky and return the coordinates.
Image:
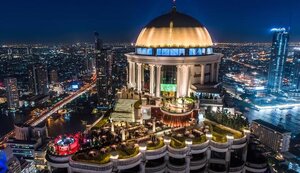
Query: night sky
(52, 21)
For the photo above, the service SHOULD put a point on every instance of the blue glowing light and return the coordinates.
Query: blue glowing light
(3, 167)
(75, 86)
(278, 29)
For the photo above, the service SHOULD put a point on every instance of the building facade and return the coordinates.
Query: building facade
(103, 72)
(38, 80)
(279, 53)
(53, 76)
(295, 74)
(12, 93)
(273, 136)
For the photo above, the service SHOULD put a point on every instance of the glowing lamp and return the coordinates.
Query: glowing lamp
(188, 141)
(208, 135)
(167, 140)
(142, 147)
(114, 155)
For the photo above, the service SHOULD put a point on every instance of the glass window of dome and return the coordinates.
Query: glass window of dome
(174, 51)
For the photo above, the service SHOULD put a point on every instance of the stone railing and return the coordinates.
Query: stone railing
(176, 167)
(175, 113)
(177, 151)
(90, 166)
(236, 169)
(60, 159)
(219, 145)
(213, 171)
(198, 162)
(156, 168)
(240, 141)
(129, 161)
(156, 151)
(257, 165)
(200, 146)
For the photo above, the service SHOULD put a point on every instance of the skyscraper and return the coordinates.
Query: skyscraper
(279, 53)
(38, 79)
(12, 93)
(103, 70)
(53, 76)
(295, 74)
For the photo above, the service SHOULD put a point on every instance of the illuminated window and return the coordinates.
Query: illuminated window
(209, 51)
(169, 52)
(144, 51)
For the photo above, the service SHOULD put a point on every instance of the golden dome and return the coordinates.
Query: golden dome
(174, 29)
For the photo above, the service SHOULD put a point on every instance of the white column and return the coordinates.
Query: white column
(49, 168)
(188, 164)
(129, 74)
(184, 80)
(212, 72)
(70, 170)
(139, 77)
(202, 73)
(133, 75)
(178, 92)
(217, 72)
(158, 76)
(151, 79)
(123, 135)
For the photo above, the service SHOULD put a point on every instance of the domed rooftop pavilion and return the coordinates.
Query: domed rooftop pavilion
(174, 29)
(175, 51)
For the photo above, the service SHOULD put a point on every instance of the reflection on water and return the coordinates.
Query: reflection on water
(70, 124)
(81, 109)
(73, 121)
(288, 118)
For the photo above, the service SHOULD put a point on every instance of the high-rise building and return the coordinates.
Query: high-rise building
(279, 53)
(53, 76)
(295, 74)
(273, 136)
(103, 70)
(12, 93)
(38, 79)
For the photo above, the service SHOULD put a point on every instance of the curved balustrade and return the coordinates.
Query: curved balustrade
(219, 147)
(156, 154)
(212, 171)
(198, 164)
(240, 140)
(57, 159)
(176, 168)
(199, 148)
(176, 114)
(255, 165)
(130, 162)
(84, 166)
(156, 169)
(236, 169)
(177, 152)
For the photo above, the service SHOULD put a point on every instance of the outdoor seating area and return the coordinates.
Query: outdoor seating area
(178, 105)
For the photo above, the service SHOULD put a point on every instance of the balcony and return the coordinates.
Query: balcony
(218, 146)
(91, 167)
(199, 148)
(157, 153)
(156, 166)
(198, 164)
(177, 152)
(174, 168)
(129, 162)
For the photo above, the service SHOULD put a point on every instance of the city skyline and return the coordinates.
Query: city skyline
(52, 22)
(161, 86)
